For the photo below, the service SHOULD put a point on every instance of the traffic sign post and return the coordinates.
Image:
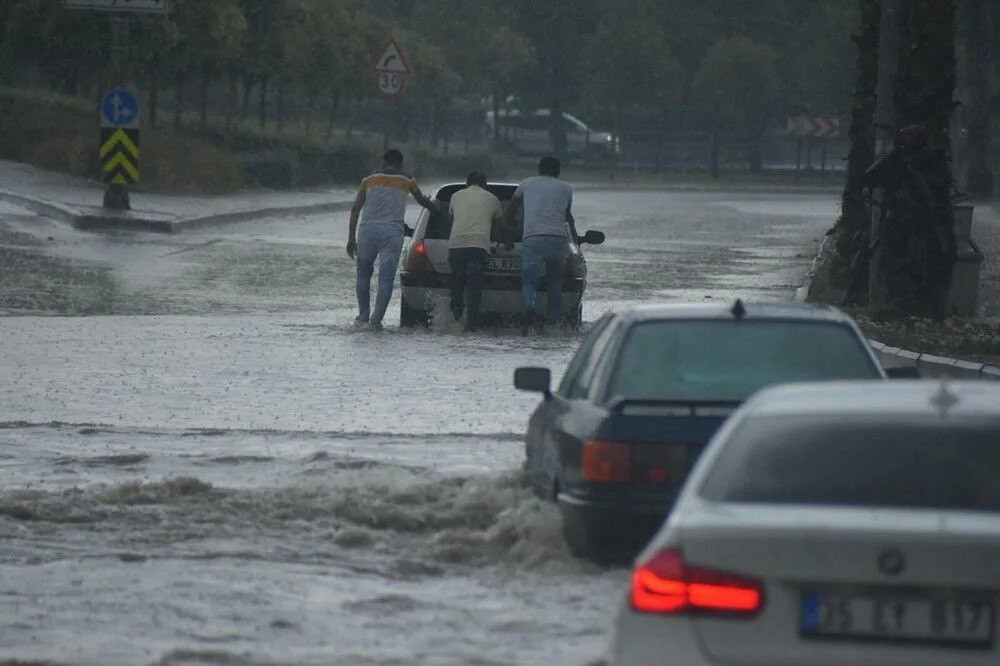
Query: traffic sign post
(119, 147)
(119, 151)
(392, 77)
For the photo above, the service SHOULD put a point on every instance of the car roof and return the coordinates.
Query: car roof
(894, 397)
(501, 190)
(751, 311)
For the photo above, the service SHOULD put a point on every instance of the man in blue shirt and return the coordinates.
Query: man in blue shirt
(548, 231)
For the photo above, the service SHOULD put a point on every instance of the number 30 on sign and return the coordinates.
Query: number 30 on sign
(390, 83)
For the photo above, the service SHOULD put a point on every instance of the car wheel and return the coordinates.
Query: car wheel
(409, 316)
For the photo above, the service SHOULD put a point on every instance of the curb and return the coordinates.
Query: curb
(708, 188)
(51, 209)
(245, 215)
(927, 365)
(104, 219)
(931, 365)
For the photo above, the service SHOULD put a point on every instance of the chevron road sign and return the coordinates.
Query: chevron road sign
(120, 155)
(819, 126)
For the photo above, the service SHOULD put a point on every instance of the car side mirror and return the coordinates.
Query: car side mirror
(533, 379)
(907, 372)
(593, 237)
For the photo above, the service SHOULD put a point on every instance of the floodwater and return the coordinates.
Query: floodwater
(202, 462)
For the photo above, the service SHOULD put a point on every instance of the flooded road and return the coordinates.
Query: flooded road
(201, 462)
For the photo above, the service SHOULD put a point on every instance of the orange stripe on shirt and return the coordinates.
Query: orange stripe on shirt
(380, 180)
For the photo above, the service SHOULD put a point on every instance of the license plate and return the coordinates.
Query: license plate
(953, 619)
(504, 263)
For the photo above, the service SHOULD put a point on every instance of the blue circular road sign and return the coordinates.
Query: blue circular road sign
(120, 109)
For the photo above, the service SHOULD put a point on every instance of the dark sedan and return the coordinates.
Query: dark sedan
(648, 387)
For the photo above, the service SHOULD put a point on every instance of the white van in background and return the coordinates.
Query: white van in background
(528, 134)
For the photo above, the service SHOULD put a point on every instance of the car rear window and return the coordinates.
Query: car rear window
(926, 462)
(439, 224)
(721, 359)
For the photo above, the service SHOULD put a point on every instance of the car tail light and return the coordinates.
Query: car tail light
(418, 259)
(667, 584)
(606, 461)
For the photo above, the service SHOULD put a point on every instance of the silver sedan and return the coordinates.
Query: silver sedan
(846, 523)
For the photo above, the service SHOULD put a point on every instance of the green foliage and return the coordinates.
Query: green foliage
(630, 61)
(690, 64)
(737, 83)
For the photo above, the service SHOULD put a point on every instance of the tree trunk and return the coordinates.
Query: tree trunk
(310, 107)
(232, 95)
(713, 154)
(279, 110)
(206, 79)
(334, 104)
(845, 270)
(153, 101)
(978, 47)
(661, 136)
(248, 84)
(497, 124)
(262, 103)
(178, 103)
(917, 232)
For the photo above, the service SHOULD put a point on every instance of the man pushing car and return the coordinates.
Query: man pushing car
(548, 228)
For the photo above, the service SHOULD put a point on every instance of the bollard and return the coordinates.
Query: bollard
(968, 261)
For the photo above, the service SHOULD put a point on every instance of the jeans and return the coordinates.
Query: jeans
(543, 255)
(383, 242)
(467, 267)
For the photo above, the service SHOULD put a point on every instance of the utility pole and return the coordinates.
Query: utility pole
(116, 194)
(885, 126)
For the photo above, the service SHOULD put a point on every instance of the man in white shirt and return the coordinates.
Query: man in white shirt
(474, 210)
(548, 229)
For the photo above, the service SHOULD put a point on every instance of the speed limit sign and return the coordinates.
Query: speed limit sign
(391, 71)
(390, 83)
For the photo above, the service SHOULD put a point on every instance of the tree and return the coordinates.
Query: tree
(736, 88)
(209, 35)
(556, 30)
(845, 271)
(978, 53)
(915, 246)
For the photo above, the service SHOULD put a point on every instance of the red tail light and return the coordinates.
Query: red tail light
(418, 259)
(606, 461)
(667, 584)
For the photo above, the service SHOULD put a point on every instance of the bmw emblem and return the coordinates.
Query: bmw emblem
(891, 562)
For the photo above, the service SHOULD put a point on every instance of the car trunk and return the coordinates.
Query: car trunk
(664, 444)
(668, 436)
(501, 262)
(827, 588)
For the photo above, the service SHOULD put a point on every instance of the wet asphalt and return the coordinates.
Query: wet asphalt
(201, 461)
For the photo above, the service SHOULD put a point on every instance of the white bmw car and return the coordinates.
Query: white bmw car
(848, 523)
(425, 276)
